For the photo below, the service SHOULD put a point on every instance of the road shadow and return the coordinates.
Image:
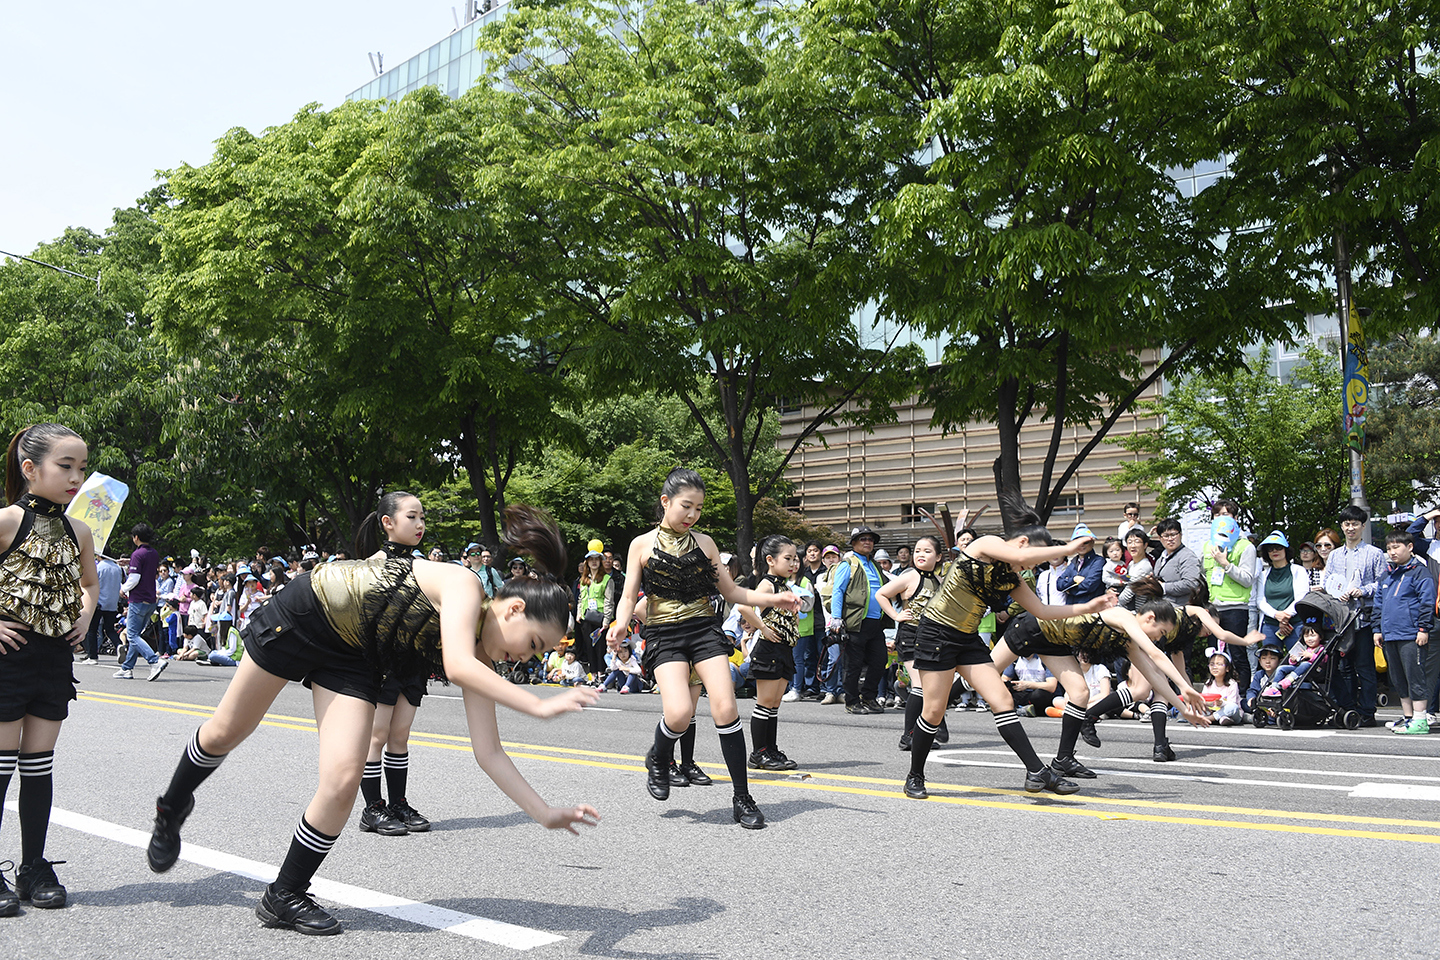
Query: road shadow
(216, 890)
(775, 811)
(604, 928)
(497, 822)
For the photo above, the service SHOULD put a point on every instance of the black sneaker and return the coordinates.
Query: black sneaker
(1071, 767)
(905, 739)
(294, 910)
(408, 815)
(693, 775)
(1047, 779)
(915, 787)
(775, 760)
(164, 847)
(1163, 752)
(874, 706)
(747, 814)
(657, 778)
(37, 883)
(376, 818)
(9, 902)
(1088, 733)
(754, 761)
(858, 708)
(942, 735)
(677, 778)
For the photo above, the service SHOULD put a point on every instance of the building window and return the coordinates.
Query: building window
(793, 503)
(788, 405)
(1070, 503)
(910, 512)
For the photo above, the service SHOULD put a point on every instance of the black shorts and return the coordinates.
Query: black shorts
(290, 637)
(905, 641)
(772, 661)
(37, 680)
(413, 689)
(938, 647)
(688, 641)
(1025, 639)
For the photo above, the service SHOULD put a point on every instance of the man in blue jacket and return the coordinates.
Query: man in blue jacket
(1403, 613)
(1082, 579)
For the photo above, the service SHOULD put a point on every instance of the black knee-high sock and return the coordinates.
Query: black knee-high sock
(1118, 700)
(307, 851)
(195, 765)
(913, 703)
(397, 771)
(732, 745)
(1070, 723)
(957, 689)
(9, 760)
(920, 744)
(762, 720)
(773, 729)
(665, 744)
(370, 782)
(37, 790)
(1159, 713)
(687, 744)
(1008, 723)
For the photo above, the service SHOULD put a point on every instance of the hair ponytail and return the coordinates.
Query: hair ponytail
(532, 533)
(30, 443)
(372, 531)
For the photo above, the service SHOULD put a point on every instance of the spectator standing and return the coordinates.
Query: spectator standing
(853, 606)
(1313, 564)
(1082, 578)
(1352, 572)
(808, 645)
(139, 590)
(1132, 520)
(102, 636)
(1177, 568)
(478, 560)
(903, 558)
(596, 595)
(1138, 546)
(1229, 569)
(1404, 613)
(832, 652)
(1281, 584)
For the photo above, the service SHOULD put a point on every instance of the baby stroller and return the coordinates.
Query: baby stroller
(1309, 701)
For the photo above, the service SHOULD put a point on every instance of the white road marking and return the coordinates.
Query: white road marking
(410, 911)
(1395, 791)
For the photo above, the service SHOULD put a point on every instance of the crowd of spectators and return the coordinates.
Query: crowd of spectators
(153, 608)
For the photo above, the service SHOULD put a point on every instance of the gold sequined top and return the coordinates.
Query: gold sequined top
(377, 606)
(924, 593)
(679, 579)
(783, 622)
(970, 589)
(40, 572)
(1088, 632)
(1181, 637)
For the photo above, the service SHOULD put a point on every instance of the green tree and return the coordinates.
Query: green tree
(1274, 447)
(712, 216)
(1032, 218)
(1331, 122)
(1403, 423)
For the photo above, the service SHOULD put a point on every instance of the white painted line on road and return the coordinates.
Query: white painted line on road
(410, 911)
(603, 709)
(1146, 761)
(1395, 791)
(1192, 778)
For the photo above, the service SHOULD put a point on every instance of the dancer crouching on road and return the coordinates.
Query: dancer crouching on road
(337, 629)
(681, 570)
(985, 574)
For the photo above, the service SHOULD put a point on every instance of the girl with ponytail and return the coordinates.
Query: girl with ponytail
(338, 629)
(48, 592)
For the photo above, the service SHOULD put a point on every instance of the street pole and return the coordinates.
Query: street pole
(1355, 367)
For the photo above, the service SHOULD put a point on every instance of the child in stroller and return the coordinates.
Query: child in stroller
(1300, 693)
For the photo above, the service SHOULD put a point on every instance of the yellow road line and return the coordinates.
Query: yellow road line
(1069, 806)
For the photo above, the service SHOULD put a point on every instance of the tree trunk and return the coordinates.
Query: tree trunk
(468, 447)
(1008, 494)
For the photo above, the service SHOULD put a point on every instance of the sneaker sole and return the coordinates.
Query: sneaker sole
(275, 923)
(54, 903)
(384, 833)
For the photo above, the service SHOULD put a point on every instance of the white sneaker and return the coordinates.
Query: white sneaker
(124, 674)
(791, 696)
(828, 699)
(89, 662)
(157, 668)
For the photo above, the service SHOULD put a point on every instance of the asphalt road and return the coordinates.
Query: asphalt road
(1254, 844)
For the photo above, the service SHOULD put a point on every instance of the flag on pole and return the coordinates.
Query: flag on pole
(1357, 382)
(97, 505)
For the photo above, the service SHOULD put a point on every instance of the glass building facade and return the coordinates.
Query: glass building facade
(452, 65)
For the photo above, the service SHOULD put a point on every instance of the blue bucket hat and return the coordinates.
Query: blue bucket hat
(1276, 539)
(1081, 530)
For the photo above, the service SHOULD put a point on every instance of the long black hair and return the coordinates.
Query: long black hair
(531, 532)
(372, 533)
(32, 443)
(1150, 595)
(1027, 524)
(681, 478)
